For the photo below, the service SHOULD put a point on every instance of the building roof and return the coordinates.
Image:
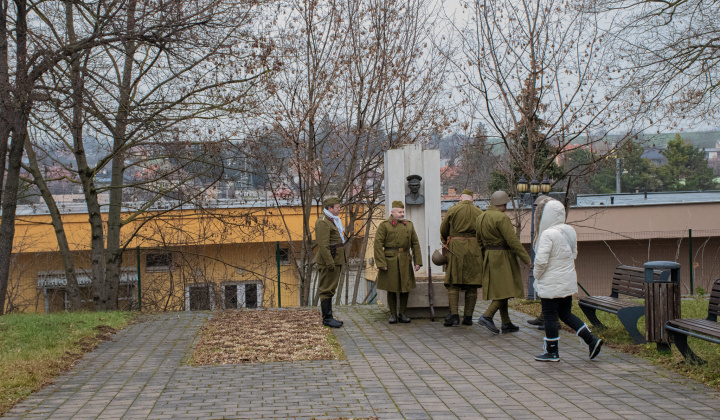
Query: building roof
(222, 203)
(651, 198)
(583, 200)
(623, 199)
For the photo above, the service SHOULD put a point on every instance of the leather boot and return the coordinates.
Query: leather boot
(509, 328)
(552, 354)
(326, 309)
(403, 318)
(467, 320)
(452, 320)
(594, 343)
(488, 323)
(537, 321)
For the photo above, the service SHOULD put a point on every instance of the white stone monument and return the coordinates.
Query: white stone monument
(426, 217)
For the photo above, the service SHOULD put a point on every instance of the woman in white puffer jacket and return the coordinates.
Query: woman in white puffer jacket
(556, 279)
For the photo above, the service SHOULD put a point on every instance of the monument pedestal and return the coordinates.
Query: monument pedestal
(422, 167)
(419, 303)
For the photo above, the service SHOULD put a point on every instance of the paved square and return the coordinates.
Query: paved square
(420, 370)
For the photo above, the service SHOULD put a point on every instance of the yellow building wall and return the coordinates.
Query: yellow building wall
(218, 247)
(179, 227)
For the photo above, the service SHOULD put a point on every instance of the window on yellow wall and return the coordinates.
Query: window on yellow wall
(54, 286)
(285, 256)
(199, 297)
(242, 295)
(158, 261)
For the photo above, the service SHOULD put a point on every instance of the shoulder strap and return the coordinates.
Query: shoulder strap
(564, 235)
(482, 219)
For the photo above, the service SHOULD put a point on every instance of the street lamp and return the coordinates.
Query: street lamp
(545, 186)
(535, 188)
(522, 185)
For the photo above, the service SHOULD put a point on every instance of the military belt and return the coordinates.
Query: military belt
(461, 237)
(397, 249)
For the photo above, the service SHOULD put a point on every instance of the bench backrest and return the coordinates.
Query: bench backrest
(630, 281)
(714, 306)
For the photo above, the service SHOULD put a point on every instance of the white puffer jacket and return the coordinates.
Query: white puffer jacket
(555, 253)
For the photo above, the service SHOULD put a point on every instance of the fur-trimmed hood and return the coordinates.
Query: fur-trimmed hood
(540, 204)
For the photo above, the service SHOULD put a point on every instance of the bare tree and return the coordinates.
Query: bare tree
(140, 100)
(73, 289)
(542, 76)
(477, 159)
(34, 49)
(359, 77)
(391, 89)
(305, 105)
(673, 46)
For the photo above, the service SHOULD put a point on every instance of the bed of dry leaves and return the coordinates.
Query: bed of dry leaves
(261, 335)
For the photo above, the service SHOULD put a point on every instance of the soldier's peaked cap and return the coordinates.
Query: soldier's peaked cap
(331, 201)
(414, 177)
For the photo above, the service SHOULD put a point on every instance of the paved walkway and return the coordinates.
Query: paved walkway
(420, 370)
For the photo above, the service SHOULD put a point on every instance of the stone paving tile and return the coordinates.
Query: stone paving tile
(420, 370)
(476, 374)
(142, 373)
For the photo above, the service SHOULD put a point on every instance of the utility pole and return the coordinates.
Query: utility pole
(618, 174)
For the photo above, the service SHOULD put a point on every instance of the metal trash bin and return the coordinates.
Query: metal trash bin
(662, 301)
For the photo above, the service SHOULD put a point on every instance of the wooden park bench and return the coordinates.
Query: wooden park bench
(628, 281)
(706, 329)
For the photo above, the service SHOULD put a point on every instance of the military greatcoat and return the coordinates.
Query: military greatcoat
(457, 231)
(501, 271)
(393, 242)
(327, 236)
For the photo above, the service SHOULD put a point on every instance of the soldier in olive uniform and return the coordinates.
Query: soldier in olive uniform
(464, 269)
(501, 271)
(394, 239)
(330, 257)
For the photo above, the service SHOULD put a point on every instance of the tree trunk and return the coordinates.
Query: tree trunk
(97, 235)
(349, 238)
(306, 260)
(17, 107)
(73, 290)
(5, 121)
(113, 250)
(316, 295)
(9, 205)
(339, 288)
(307, 196)
(87, 174)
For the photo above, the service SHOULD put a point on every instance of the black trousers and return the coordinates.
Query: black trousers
(559, 307)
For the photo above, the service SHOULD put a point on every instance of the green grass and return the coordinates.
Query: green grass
(615, 336)
(34, 348)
